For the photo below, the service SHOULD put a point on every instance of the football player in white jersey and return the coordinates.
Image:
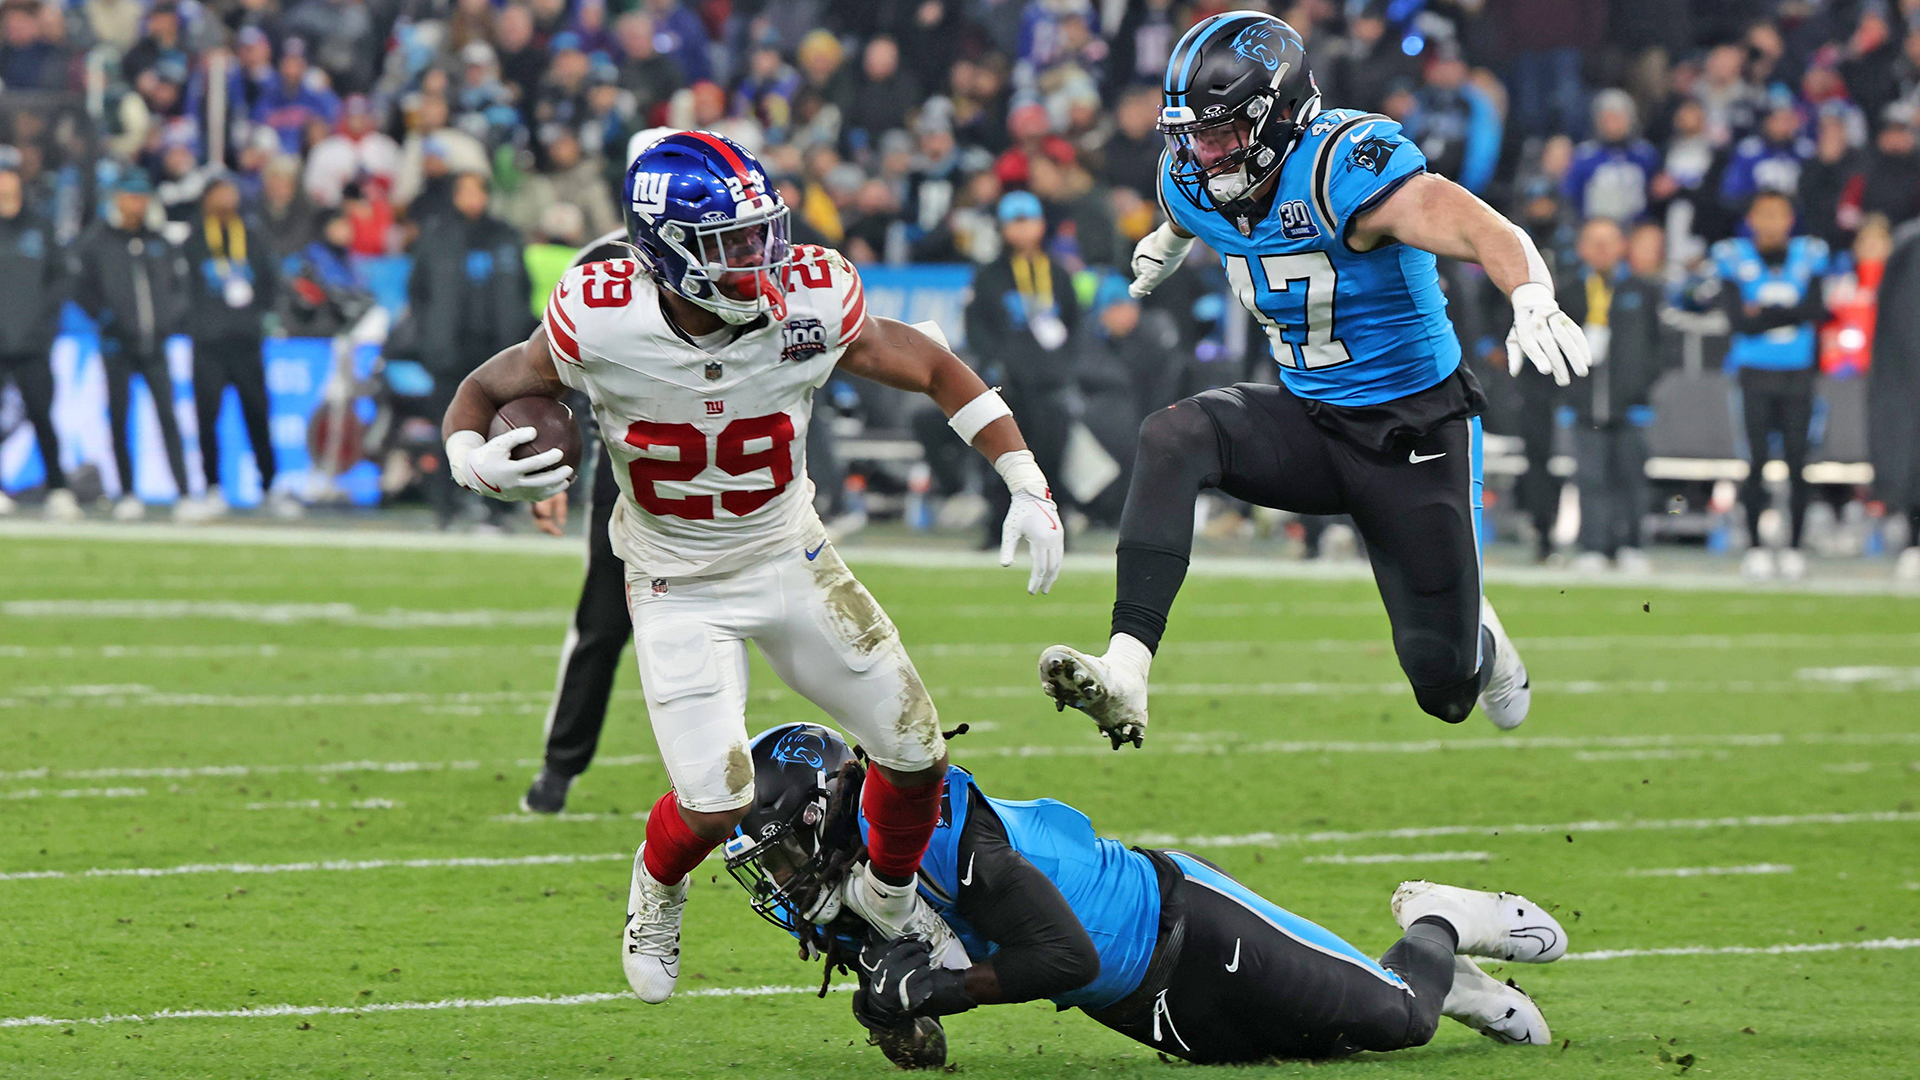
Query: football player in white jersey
(701, 356)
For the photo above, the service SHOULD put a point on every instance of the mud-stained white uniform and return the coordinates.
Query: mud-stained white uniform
(716, 521)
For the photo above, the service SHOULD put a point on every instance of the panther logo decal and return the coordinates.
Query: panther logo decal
(1372, 154)
(801, 747)
(1255, 44)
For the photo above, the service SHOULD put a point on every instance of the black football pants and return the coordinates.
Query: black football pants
(237, 362)
(1779, 401)
(33, 374)
(1417, 508)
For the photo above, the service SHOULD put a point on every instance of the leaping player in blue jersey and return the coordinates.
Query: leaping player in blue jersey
(1327, 222)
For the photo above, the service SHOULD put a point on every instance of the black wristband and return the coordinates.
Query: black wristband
(949, 994)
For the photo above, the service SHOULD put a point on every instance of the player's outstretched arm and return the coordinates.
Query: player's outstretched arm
(1435, 214)
(488, 465)
(904, 357)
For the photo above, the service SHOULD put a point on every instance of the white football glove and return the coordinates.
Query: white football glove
(1032, 517)
(1545, 335)
(489, 467)
(1155, 258)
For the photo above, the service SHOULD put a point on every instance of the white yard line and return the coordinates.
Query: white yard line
(316, 804)
(1261, 839)
(921, 557)
(1713, 871)
(1271, 839)
(278, 614)
(262, 652)
(1202, 743)
(265, 1012)
(75, 793)
(1414, 857)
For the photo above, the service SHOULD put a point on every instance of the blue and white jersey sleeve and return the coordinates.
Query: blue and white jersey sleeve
(1361, 161)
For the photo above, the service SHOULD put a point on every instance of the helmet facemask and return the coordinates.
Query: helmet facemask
(792, 869)
(1224, 158)
(735, 267)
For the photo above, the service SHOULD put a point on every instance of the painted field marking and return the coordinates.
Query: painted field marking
(1196, 743)
(316, 804)
(266, 1012)
(1416, 857)
(1713, 871)
(75, 793)
(328, 865)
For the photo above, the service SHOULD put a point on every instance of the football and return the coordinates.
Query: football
(552, 423)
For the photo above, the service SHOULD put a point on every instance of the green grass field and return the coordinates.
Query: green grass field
(292, 744)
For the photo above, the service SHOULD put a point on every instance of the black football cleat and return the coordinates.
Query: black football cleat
(918, 1044)
(547, 794)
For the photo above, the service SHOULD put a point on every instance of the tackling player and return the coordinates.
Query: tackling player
(701, 356)
(1327, 223)
(1161, 946)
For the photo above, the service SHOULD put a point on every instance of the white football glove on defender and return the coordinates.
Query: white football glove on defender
(489, 467)
(1032, 517)
(1545, 335)
(1155, 258)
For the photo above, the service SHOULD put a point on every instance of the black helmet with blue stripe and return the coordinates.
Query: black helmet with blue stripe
(1236, 98)
(801, 830)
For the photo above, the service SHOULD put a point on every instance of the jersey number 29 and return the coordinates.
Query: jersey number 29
(730, 453)
(1296, 307)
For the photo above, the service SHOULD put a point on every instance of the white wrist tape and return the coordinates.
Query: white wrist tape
(1536, 266)
(459, 445)
(1022, 473)
(977, 414)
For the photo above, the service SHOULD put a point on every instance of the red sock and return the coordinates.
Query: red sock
(900, 823)
(673, 849)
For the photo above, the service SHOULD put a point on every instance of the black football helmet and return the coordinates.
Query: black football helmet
(802, 830)
(1236, 98)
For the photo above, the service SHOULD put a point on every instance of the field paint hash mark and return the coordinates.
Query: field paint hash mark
(76, 793)
(1200, 743)
(278, 614)
(1713, 871)
(1415, 857)
(316, 804)
(1146, 840)
(270, 1011)
(1271, 839)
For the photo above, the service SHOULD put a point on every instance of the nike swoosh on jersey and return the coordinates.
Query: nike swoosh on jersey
(1235, 964)
(1360, 134)
(967, 878)
(1416, 457)
(815, 552)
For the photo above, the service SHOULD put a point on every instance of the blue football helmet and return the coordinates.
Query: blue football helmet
(708, 225)
(1237, 96)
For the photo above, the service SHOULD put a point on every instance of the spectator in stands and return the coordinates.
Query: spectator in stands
(326, 293)
(1132, 155)
(1769, 286)
(882, 98)
(768, 91)
(1124, 369)
(233, 285)
(28, 61)
(1829, 182)
(359, 150)
(1616, 296)
(1730, 101)
(1891, 178)
(31, 265)
(1368, 64)
(1893, 419)
(568, 177)
(679, 34)
(113, 23)
(1680, 195)
(523, 62)
(343, 36)
(1610, 173)
(132, 283)
(650, 76)
(298, 95)
(1022, 316)
(1769, 160)
(470, 298)
(434, 152)
(1846, 343)
(1550, 39)
(161, 40)
(1084, 232)
(1454, 123)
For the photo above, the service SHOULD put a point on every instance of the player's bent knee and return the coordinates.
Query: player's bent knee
(1177, 431)
(1445, 678)
(1450, 703)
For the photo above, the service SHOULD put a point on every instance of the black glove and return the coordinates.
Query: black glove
(899, 982)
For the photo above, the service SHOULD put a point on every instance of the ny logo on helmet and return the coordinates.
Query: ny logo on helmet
(1255, 43)
(650, 193)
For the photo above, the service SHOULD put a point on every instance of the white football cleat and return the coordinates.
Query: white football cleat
(1907, 566)
(62, 506)
(650, 946)
(1501, 926)
(1509, 693)
(1112, 688)
(1499, 1010)
(1757, 565)
(209, 507)
(897, 911)
(1793, 565)
(129, 508)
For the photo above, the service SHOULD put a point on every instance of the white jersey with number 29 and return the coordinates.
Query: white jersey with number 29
(708, 444)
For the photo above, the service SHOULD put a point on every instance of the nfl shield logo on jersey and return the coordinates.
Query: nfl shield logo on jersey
(801, 339)
(659, 586)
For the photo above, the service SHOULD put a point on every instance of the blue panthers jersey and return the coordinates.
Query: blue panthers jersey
(1347, 327)
(1112, 889)
(1739, 265)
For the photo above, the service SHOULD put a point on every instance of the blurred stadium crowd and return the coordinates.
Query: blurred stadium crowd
(238, 171)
